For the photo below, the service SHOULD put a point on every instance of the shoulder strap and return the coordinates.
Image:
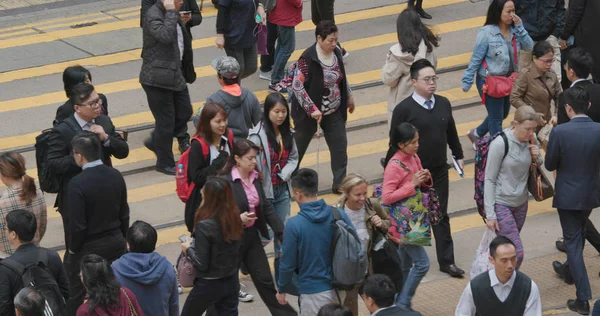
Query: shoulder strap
(70, 124)
(336, 213)
(514, 46)
(230, 139)
(505, 139)
(205, 148)
(550, 94)
(402, 165)
(14, 265)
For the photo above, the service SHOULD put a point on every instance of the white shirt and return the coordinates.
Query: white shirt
(358, 221)
(180, 41)
(86, 126)
(576, 81)
(92, 164)
(379, 310)
(421, 100)
(533, 307)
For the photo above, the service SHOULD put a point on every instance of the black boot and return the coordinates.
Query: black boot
(581, 307)
(420, 11)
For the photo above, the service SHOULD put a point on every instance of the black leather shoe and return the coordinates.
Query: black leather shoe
(184, 146)
(563, 272)
(166, 170)
(149, 143)
(336, 191)
(581, 307)
(453, 271)
(423, 14)
(560, 245)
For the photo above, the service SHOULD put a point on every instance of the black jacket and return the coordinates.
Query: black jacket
(188, 5)
(97, 206)
(583, 22)
(314, 85)
(212, 256)
(542, 18)
(60, 152)
(10, 280)
(266, 215)
(593, 112)
(161, 64)
(66, 110)
(396, 311)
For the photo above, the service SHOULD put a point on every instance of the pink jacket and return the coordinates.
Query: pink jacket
(397, 181)
(286, 13)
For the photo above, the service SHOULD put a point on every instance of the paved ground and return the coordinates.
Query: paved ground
(39, 38)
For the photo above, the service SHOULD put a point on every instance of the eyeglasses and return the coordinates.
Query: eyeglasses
(548, 62)
(94, 104)
(430, 80)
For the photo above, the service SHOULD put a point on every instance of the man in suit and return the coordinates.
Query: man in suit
(378, 293)
(573, 151)
(87, 117)
(167, 68)
(97, 210)
(581, 22)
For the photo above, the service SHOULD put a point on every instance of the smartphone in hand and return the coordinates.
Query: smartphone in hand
(183, 238)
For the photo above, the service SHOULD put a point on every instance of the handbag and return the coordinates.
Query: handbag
(499, 86)
(186, 271)
(385, 258)
(538, 184)
(261, 39)
(132, 311)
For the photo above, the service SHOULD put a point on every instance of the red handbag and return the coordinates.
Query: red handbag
(499, 86)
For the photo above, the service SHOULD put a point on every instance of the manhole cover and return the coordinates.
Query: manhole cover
(76, 26)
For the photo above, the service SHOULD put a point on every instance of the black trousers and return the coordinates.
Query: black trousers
(222, 294)
(171, 110)
(334, 129)
(267, 61)
(573, 223)
(444, 246)
(322, 10)
(253, 256)
(109, 247)
(592, 235)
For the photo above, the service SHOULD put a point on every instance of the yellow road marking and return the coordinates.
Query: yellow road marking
(68, 24)
(30, 25)
(125, 10)
(28, 31)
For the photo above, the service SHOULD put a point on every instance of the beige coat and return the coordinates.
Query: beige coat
(529, 89)
(396, 72)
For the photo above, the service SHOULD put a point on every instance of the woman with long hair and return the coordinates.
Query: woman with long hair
(415, 41)
(21, 193)
(255, 213)
(71, 77)
(402, 177)
(501, 38)
(209, 150)
(367, 216)
(538, 85)
(277, 158)
(506, 174)
(218, 233)
(106, 297)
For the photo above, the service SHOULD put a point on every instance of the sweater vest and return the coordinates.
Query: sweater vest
(488, 304)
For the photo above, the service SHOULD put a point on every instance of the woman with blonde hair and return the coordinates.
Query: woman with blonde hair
(21, 193)
(506, 173)
(366, 215)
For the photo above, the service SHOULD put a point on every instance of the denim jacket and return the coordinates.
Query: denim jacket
(492, 46)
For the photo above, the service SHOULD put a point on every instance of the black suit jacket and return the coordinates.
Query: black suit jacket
(574, 152)
(60, 152)
(66, 110)
(582, 21)
(593, 112)
(10, 280)
(97, 206)
(396, 311)
(266, 215)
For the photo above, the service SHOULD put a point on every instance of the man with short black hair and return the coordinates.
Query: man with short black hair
(98, 213)
(307, 247)
(29, 302)
(431, 114)
(573, 150)
(378, 293)
(502, 290)
(577, 69)
(147, 274)
(21, 226)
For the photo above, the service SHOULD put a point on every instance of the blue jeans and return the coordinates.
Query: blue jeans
(497, 109)
(415, 264)
(282, 207)
(286, 44)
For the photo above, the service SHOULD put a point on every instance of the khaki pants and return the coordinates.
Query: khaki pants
(526, 58)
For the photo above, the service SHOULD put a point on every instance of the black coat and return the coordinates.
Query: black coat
(188, 5)
(60, 152)
(11, 281)
(396, 311)
(67, 109)
(266, 215)
(583, 22)
(161, 64)
(593, 112)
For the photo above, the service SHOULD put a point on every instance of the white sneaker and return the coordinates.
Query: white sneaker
(243, 296)
(265, 75)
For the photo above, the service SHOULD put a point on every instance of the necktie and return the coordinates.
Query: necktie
(429, 104)
(87, 126)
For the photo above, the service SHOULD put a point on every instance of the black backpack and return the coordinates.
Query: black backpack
(38, 276)
(49, 181)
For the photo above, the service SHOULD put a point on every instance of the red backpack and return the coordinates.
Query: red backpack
(184, 186)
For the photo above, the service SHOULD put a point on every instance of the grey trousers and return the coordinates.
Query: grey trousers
(246, 57)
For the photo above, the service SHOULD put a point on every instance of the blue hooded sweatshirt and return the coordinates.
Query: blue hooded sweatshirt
(151, 278)
(307, 249)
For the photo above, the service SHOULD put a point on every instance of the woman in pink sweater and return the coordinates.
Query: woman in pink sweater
(402, 177)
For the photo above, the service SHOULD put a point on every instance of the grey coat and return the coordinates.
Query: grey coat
(258, 136)
(161, 66)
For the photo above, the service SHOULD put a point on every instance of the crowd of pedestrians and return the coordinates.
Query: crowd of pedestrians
(241, 170)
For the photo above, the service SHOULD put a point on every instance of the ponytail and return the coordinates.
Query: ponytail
(28, 191)
(12, 165)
